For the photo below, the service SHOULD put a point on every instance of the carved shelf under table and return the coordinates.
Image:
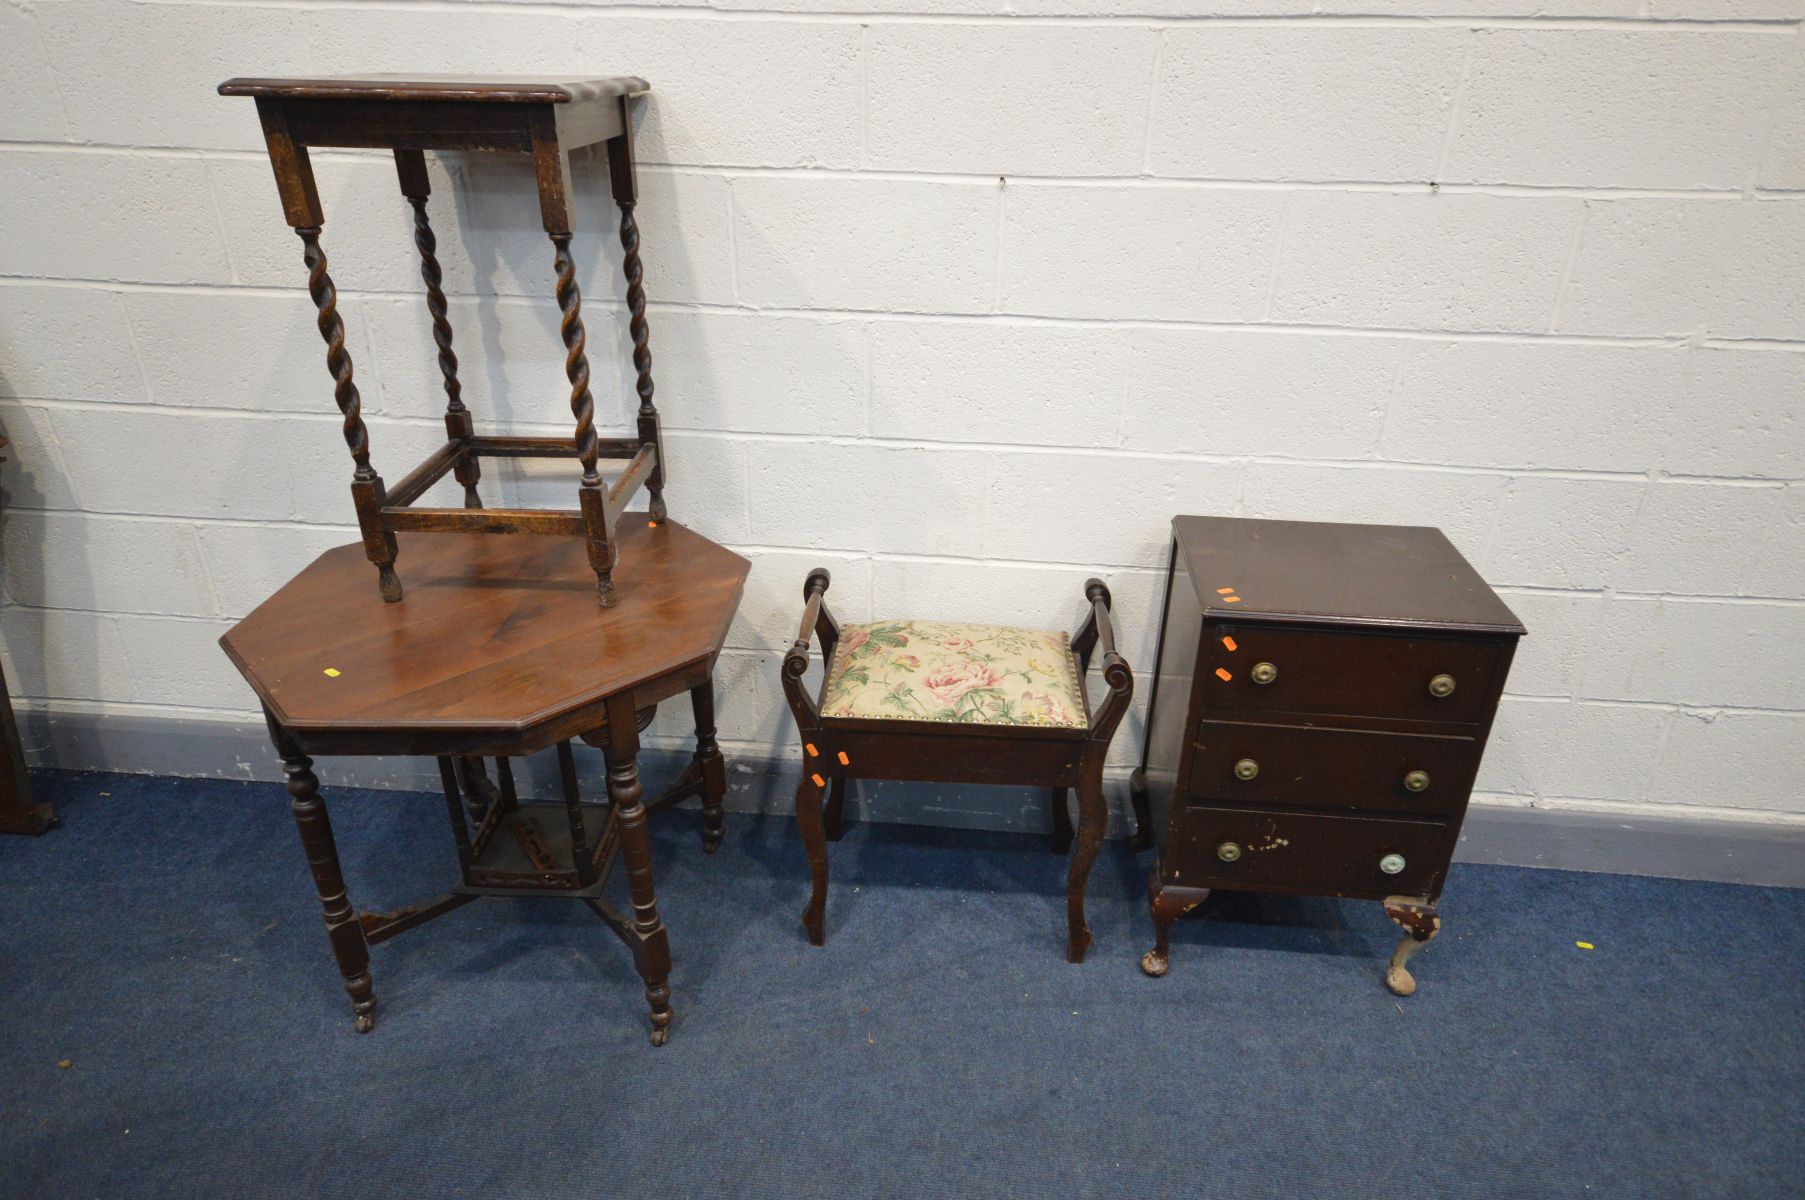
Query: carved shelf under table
(1320, 704)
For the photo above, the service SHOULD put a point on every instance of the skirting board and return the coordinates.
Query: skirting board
(1562, 839)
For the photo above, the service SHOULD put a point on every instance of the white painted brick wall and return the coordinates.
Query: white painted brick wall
(963, 299)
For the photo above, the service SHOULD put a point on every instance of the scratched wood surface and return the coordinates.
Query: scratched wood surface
(1341, 574)
(495, 632)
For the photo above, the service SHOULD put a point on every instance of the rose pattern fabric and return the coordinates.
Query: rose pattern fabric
(944, 671)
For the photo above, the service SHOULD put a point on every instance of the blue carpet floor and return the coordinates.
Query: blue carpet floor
(165, 942)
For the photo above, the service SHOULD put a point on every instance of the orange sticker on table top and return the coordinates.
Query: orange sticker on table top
(1228, 643)
(1231, 599)
(844, 761)
(1223, 675)
(810, 747)
(1224, 591)
(819, 782)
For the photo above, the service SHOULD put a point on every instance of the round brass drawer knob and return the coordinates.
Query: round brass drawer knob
(1416, 781)
(1246, 769)
(1441, 685)
(1392, 864)
(1264, 673)
(1229, 852)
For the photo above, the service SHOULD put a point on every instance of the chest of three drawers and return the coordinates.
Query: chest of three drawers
(1321, 700)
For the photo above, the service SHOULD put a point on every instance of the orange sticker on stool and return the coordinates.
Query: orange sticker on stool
(810, 747)
(1223, 675)
(844, 761)
(1224, 591)
(819, 782)
(1231, 599)
(1229, 643)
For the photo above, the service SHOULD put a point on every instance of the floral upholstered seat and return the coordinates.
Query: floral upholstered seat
(949, 671)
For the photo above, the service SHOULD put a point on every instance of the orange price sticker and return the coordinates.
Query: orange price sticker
(1223, 675)
(1229, 643)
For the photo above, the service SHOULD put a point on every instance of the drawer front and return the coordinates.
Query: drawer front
(1391, 676)
(1211, 846)
(1308, 767)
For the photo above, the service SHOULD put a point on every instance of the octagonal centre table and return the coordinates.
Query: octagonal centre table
(499, 650)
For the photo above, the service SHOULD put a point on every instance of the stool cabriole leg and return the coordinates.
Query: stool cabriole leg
(833, 815)
(1058, 802)
(808, 820)
(1142, 837)
(709, 766)
(1093, 817)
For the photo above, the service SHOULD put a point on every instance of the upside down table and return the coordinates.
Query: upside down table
(546, 119)
(499, 651)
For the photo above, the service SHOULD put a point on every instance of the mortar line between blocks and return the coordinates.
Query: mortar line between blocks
(564, 9)
(1405, 186)
(717, 308)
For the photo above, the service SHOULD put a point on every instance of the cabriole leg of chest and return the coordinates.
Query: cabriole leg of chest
(1418, 918)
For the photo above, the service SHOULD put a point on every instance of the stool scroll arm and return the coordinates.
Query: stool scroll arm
(816, 622)
(1098, 633)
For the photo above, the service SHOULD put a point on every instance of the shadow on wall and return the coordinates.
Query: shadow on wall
(35, 653)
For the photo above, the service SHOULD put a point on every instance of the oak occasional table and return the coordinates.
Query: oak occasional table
(499, 651)
(1321, 701)
(545, 118)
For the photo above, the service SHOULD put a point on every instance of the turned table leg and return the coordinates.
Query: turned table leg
(342, 926)
(1418, 919)
(1093, 816)
(652, 951)
(709, 766)
(808, 820)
